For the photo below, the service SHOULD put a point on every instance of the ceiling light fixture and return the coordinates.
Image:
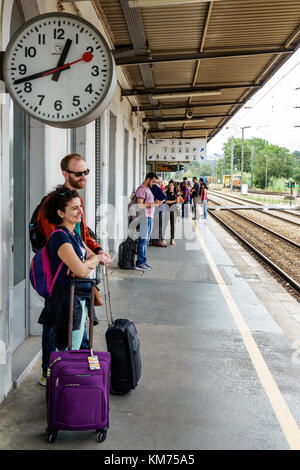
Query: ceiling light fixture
(189, 113)
(185, 94)
(162, 3)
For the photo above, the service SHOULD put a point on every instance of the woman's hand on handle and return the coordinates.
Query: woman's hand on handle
(104, 258)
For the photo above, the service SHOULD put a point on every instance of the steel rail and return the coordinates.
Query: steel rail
(278, 217)
(294, 284)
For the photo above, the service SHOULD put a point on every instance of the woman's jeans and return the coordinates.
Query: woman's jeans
(146, 224)
(204, 205)
(185, 209)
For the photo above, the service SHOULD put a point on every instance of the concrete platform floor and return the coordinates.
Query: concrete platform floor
(199, 389)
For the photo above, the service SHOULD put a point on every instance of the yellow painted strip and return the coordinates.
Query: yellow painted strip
(286, 420)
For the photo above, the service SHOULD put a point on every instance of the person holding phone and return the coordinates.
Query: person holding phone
(146, 205)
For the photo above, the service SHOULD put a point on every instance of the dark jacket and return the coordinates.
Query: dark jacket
(158, 194)
(56, 313)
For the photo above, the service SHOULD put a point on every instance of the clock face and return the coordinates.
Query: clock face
(59, 69)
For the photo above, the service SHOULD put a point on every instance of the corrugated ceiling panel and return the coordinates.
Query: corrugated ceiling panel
(174, 27)
(231, 70)
(240, 23)
(172, 72)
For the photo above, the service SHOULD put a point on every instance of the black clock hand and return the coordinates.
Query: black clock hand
(62, 59)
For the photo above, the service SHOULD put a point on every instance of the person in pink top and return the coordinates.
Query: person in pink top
(203, 199)
(146, 203)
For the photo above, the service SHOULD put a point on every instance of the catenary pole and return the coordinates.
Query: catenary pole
(231, 165)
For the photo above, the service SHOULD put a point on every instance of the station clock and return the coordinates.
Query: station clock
(58, 67)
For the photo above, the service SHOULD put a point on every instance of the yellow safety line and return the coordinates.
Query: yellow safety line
(286, 420)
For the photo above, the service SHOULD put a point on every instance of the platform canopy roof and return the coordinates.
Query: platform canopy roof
(198, 58)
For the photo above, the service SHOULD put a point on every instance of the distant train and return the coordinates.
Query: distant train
(236, 183)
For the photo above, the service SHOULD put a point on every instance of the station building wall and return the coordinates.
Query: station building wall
(99, 142)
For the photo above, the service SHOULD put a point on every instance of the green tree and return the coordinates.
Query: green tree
(259, 144)
(276, 160)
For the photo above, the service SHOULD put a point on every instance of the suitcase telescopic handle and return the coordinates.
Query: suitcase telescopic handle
(107, 299)
(73, 283)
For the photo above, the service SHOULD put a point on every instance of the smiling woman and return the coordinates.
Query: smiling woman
(63, 208)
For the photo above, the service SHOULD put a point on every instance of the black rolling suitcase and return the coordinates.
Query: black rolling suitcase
(124, 347)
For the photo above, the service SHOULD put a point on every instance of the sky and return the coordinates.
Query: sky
(273, 114)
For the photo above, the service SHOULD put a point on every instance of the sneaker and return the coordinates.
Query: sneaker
(172, 241)
(43, 380)
(148, 265)
(142, 267)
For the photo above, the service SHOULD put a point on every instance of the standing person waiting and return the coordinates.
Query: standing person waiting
(185, 193)
(146, 206)
(195, 193)
(75, 172)
(203, 198)
(159, 225)
(63, 209)
(172, 199)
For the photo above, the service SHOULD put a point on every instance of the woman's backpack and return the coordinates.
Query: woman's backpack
(41, 276)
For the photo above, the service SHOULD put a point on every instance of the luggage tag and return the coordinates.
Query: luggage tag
(93, 362)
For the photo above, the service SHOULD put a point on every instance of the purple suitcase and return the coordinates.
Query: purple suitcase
(77, 397)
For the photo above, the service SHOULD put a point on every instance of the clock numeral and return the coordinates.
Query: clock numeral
(42, 99)
(22, 69)
(58, 105)
(89, 89)
(76, 101)
(42, 39)
(30, 51)
(76, 38)
(95, 72)
(59, 33)
(90, 49)
(27, 87)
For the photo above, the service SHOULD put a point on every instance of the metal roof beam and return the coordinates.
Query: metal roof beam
(162, 91)
(152, 131)
(150, 107)
(139, 60)
(176, 118)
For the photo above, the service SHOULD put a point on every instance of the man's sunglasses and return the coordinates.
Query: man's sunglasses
(79, 173)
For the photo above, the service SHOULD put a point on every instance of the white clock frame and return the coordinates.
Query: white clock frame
(35, 27)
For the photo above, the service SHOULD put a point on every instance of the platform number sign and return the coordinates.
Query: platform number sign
(60, 70)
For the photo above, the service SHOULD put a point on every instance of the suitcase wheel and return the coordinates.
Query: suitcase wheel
(51, 435)
(101, 435)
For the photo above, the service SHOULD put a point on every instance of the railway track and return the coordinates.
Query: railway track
(279, 253)
(288, 216)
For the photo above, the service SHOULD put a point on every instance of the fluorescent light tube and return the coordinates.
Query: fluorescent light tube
(181, 121)
(185, 94)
